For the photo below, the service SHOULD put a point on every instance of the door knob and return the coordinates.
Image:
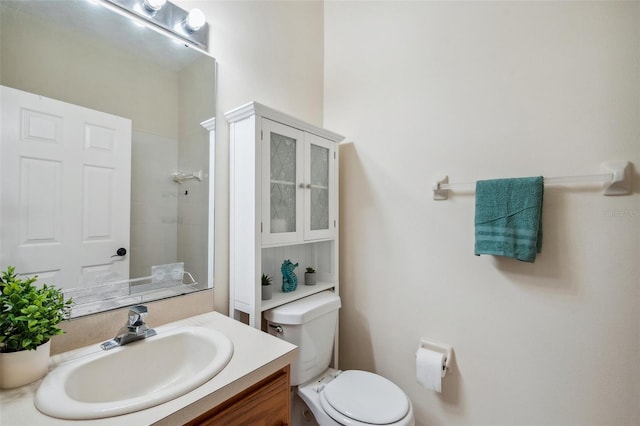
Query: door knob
(120, 252)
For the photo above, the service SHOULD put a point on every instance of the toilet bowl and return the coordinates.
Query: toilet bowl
(357, 398)
(335, 397)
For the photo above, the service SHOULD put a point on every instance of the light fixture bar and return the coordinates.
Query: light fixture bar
(169, 17)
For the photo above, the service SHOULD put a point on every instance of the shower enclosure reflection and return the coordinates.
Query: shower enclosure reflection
(82, 53)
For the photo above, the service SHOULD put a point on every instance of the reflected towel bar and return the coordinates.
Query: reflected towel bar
(180, 177)
(615, 179)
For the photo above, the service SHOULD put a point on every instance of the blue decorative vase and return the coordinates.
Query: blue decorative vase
(289, 278)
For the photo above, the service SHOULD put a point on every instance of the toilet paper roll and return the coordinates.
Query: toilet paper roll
(429, 371)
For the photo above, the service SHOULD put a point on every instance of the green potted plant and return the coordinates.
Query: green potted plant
(267, 290)
(310, 276)
(29, 318)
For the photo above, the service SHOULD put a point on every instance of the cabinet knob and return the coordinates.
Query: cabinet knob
(308, 186)
(301, 185)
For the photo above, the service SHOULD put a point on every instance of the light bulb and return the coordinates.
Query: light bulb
(154, 5)
(195, 20)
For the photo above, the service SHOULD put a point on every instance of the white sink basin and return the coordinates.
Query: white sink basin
(135, 376)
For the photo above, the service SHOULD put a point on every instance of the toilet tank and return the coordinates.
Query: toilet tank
(310, 324)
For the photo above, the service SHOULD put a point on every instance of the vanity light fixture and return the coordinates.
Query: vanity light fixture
(194, 20)
(154, 5)
(165, 16)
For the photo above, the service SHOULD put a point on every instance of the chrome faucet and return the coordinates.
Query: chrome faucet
(135, 329)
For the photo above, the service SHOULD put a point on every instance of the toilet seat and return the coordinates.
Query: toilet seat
(361, 398)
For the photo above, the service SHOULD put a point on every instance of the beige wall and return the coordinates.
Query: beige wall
(270, 52)
(480, 90)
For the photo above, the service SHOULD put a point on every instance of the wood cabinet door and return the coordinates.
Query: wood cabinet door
(267, 403)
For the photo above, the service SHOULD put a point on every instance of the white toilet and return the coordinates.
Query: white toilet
(334, 397)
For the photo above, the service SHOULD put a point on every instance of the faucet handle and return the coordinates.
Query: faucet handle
(137, 314)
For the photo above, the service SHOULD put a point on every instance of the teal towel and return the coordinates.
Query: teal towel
(509, 217)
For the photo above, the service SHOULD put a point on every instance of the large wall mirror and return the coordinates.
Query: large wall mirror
(106, 167)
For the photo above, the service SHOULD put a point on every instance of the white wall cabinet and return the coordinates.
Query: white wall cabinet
(283, 205)
(298, 185)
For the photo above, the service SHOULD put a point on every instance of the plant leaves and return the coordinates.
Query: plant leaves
(30, 314)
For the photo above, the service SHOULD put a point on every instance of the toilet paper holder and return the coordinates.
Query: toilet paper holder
(443, 348)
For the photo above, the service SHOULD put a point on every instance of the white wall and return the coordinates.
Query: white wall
(481, 90)
(270, 52)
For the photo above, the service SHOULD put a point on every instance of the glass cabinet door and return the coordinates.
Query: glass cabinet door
(319, 186)
(282, 183)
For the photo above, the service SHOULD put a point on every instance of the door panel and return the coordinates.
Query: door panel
(40, 201)
(97, 197)
(65, 184)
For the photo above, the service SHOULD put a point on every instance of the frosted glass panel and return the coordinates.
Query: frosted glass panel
(283, 183)
(319, 188)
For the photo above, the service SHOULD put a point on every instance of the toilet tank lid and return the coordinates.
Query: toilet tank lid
(304, 310)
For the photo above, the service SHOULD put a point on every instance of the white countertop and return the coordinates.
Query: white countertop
(256, 355)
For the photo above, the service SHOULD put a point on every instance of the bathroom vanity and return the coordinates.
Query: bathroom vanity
(253, 385)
